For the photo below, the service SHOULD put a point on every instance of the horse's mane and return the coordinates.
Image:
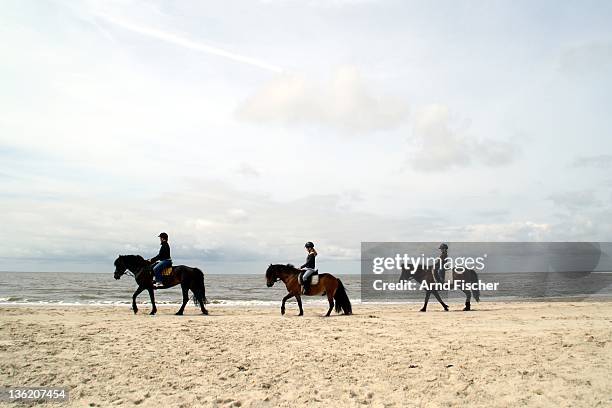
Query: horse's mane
(285, 266)
(130, 259)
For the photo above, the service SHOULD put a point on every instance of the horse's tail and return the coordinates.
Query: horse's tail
(342, 300)
(476, 292)
(199, 290)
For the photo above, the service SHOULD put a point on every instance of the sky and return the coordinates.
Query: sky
(245, 128)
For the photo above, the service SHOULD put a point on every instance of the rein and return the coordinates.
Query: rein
(136, 274)
(140, 271)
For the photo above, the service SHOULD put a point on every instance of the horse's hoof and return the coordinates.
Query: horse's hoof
(178, 314)
(446, 308)
(301, 314)
(423, 310)
(135, 311)
(282, 310)
(152, 313)
(205, 312)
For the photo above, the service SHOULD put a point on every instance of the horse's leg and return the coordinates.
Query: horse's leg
(289, 296)
(185, 299)
(152, 296)
(468, 296)
(299, 302)
(330, 299)
(202, 307)
(134, 296)
(424, 308)
(444, 305)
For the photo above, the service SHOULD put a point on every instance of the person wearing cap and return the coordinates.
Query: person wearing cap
(163, 258)
(439, 267)
(309, 266)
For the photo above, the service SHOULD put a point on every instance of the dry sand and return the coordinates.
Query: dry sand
(501, 354)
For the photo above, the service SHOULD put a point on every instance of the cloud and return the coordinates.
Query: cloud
(601, 161)
(575, 200)
(345, 102)
(247, 170)
(586, 59)
(511, 231)
(440, 147)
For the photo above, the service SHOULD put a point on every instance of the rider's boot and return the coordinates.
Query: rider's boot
(305, 287)
(157, 284)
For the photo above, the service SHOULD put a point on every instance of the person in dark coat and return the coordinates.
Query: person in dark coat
(309, 266)
(162, 259)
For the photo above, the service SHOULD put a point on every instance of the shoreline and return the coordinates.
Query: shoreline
(316, 302)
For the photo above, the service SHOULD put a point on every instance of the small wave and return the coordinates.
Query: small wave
(12, 299)
(219, 302)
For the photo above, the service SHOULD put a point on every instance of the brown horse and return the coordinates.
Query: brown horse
(327, 285)
(426, 274)
(187, 277)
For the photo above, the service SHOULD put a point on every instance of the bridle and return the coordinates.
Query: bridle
(128, 272)
(276, 278)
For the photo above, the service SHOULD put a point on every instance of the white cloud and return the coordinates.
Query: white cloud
(344, 102)
(575, 200)
(512, 231)
(441, 147)
(587, 58)
(600, 161)
(247, 170)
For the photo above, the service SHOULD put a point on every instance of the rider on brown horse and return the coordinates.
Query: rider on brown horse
(309, 266)
(439, 271)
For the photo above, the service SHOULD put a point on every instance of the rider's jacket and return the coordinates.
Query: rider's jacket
(443, 257)
(164, 253)
(310, 261)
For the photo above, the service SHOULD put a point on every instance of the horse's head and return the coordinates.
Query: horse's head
(278, 272)
(120, 267)
(131, 263)
(271, 276)
(407, 272)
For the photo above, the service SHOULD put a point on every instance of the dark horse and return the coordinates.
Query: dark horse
(425, 274)
(189, 278)
(327, 285)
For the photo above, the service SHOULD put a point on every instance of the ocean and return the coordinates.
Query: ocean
(74, 288)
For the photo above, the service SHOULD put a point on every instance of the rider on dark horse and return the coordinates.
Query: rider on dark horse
(439, 270)
(309, 266)
(163, 258)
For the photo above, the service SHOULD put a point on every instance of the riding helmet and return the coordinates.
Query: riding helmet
(443, 246)
(309, 245)
(163, 235)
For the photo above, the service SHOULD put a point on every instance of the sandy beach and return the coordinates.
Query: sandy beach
(500, 354)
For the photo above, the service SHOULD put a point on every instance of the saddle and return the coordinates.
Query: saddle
(448, 277)
(314, 278)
